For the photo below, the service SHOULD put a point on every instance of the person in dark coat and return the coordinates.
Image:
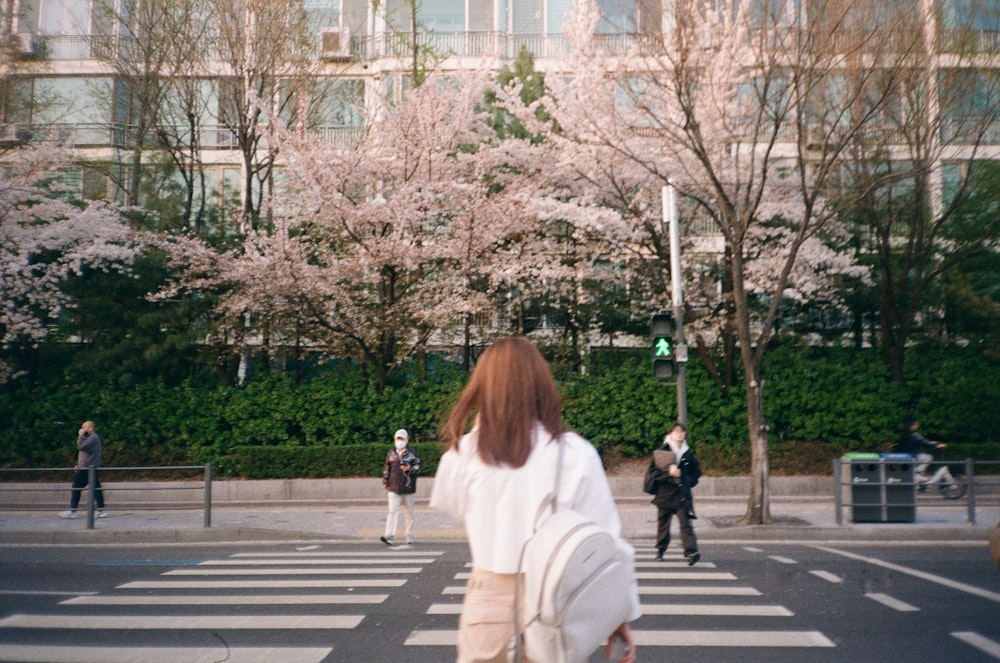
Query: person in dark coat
(913, 443)
(673, 472)
(399, 477)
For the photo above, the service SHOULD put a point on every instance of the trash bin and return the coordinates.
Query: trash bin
(900, 491)
(866, 487)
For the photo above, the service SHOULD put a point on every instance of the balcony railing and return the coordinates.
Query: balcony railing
(124, 136)
(492, 43)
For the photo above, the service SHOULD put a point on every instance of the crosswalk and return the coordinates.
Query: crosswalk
(329, 583)
(223, 609)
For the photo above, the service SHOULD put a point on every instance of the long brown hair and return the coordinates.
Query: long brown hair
(510, 389)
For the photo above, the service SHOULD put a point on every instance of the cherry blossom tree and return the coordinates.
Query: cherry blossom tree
(44, 240)
(379, 245)
(748, 111)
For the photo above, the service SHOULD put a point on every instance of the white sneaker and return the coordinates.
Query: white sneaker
(101, 513)
(69, 515)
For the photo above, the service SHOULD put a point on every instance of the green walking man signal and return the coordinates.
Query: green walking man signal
(661, 329)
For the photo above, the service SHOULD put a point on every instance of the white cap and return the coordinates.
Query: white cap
(401, 434)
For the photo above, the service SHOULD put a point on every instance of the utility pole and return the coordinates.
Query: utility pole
(671, 221)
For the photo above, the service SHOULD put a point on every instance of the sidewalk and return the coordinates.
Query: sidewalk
(796, 518)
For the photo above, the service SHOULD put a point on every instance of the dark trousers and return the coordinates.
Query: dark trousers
(80, 482)
(663, 518)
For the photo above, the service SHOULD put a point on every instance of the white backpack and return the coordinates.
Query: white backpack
(577, 586)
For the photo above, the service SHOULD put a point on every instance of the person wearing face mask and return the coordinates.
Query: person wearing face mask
(399, 476)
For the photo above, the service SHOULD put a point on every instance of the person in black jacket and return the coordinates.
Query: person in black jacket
(913, 443)
(399, 477)
(670, 482)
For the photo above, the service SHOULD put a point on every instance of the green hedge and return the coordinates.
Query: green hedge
(349, 460)
(817, 401)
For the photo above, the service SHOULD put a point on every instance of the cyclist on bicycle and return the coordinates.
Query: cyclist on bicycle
(915, 444)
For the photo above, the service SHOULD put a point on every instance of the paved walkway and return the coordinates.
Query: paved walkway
(795, 519)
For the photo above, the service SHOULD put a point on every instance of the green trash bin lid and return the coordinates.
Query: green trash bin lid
(860, 455)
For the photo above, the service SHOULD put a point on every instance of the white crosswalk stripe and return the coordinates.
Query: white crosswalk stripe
(387, 570)
(229, 599)
(75, 654)
(173, 622)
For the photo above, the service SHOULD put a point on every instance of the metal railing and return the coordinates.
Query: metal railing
(20, 488)
(904, 487)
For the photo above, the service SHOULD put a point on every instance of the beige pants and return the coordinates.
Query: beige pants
(396, 502)
(486, 626)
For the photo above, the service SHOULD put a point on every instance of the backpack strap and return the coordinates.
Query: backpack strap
(551, 499)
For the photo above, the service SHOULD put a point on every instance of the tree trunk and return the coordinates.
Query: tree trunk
(759, 503)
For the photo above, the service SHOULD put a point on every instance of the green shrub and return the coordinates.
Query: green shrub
(818, 402)
(347, 460)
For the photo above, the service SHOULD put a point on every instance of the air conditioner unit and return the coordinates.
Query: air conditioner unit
(25, 43)
(816, 138)
(335, 44)
(28, 45)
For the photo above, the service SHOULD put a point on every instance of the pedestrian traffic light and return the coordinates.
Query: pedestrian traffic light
(661, 330)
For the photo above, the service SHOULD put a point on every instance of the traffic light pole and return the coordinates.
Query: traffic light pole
(671, 221)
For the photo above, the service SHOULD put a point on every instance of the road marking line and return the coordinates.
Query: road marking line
(712, 610)
(698, 591)
(783, 560)
(717, 610)
(445, 609)
(731, 639)
(672, 565)
(685, 575)
(389, 570)
(443, 638)
(28, 592)
(314, 562)
(259, 584)
(960, 586)
(671, 638)
(55, 654)
(674, 590)
(752, 549)
(386, 555)
(895, 604)
(829, 577)
(229, 599)
(665, 575)
(151, 622)
(980, 642)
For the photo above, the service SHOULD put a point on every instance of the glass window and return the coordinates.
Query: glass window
(617, 17)
(338, 103)
(527, 16)
(65, 17)
(322, 14)
(443, 15)
(73, 100)
(972, 14)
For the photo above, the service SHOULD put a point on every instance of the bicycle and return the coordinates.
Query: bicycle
(950, 487)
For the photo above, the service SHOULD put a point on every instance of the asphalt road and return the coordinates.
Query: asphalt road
(364, 602)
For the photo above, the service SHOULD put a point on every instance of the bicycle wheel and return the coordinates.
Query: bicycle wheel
(953, 489)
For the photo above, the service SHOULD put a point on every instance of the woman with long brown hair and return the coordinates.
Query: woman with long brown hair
(494, 476)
